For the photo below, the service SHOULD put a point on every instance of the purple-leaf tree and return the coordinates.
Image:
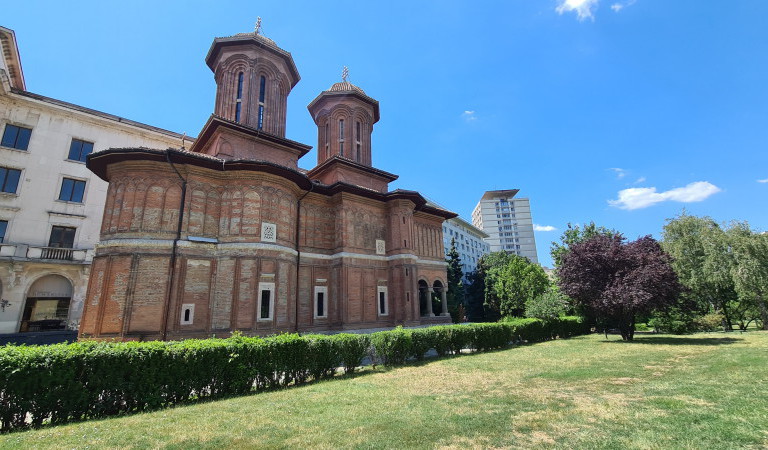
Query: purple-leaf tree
(617, 280)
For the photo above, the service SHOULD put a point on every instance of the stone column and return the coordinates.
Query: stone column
(430, 313)
(444, 300)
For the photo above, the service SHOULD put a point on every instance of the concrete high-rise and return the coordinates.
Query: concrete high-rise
(508, 222)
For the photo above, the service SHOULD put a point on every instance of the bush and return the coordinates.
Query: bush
(351, 348)
(422, 339)
(666, 324)
(547, 306)
(392, 348)
(709, 322)
(642, 327)
(84, 380)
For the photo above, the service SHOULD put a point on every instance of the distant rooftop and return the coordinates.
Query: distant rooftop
(506, 193)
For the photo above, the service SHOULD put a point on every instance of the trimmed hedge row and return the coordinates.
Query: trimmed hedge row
(395, 347)
(65, 382)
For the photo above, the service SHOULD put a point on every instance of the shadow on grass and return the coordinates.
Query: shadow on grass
(681, 340)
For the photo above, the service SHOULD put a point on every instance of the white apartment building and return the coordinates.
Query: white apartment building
(507, 221)
(470, 243)
(51, 205)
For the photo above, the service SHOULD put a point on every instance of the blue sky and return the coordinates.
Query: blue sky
(618, 111)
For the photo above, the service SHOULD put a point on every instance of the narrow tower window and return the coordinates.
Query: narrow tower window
(327, 139)
(262, 89)
(341, 137)
(239, 100)
(357, 140)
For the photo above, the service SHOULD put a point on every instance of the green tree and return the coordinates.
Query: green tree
(513, 283)
(750, 272)
(703, 262)
(487, 272)
(455, 285)
(575, 234)
(549, 305)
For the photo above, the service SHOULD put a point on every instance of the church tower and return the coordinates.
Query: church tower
(253, 79)
(344, 116)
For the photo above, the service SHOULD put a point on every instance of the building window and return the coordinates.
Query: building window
(78, 150)
(262, 93)
(3, 228)
(358, 142)
(62, 237)
(9, 179)
(16, 137)
(341, 137)
(239, 99)
(327, 140)
(382, 303)
(72, 190)
(266, 300)
(321, 301)
(187, 313)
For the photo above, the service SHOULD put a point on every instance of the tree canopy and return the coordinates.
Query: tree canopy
(575, 234)
(616, 280)
(510, 281)
(724, 268)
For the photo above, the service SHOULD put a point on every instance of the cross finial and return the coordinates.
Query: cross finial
(257, 30)
(345, 74)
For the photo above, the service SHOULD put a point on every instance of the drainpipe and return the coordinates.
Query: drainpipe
(166, 310)
(298, 251)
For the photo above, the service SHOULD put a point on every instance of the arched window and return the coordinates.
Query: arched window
(262, 89)
(239, 100)
(327, 140)
(341, 137)
(357, 141)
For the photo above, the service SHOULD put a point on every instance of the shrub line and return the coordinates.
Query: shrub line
(84, 380)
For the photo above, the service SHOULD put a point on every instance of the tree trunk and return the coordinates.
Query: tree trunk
(763, 312)
(727, 324)
(627, 326)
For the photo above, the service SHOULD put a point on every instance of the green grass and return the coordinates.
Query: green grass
(702, 391)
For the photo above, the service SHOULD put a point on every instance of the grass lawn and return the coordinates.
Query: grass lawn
(700, 391)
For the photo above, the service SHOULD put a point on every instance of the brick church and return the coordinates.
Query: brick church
(231, 234)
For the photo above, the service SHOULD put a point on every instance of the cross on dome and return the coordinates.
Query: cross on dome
(257, 29)
(345, 74)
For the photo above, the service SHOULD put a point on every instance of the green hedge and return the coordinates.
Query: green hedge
(65, 382)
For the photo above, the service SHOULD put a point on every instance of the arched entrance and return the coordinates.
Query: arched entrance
(439, 298)
(425, 299)
(46, 307)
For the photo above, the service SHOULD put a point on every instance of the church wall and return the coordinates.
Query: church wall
(338, 244)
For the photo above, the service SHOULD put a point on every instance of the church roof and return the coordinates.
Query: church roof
(254, 38)
(345, 86)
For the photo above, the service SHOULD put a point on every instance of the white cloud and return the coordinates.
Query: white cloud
(616, 7)
(763, 181)
(582, 8)
(637, 198)
(640, 180)
(469, 116)
(537, 227)
(620, 173)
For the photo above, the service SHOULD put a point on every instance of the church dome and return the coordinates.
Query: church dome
(345, 86)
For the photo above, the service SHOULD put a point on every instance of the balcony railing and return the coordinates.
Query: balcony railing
(23, 251)
(62, 254)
